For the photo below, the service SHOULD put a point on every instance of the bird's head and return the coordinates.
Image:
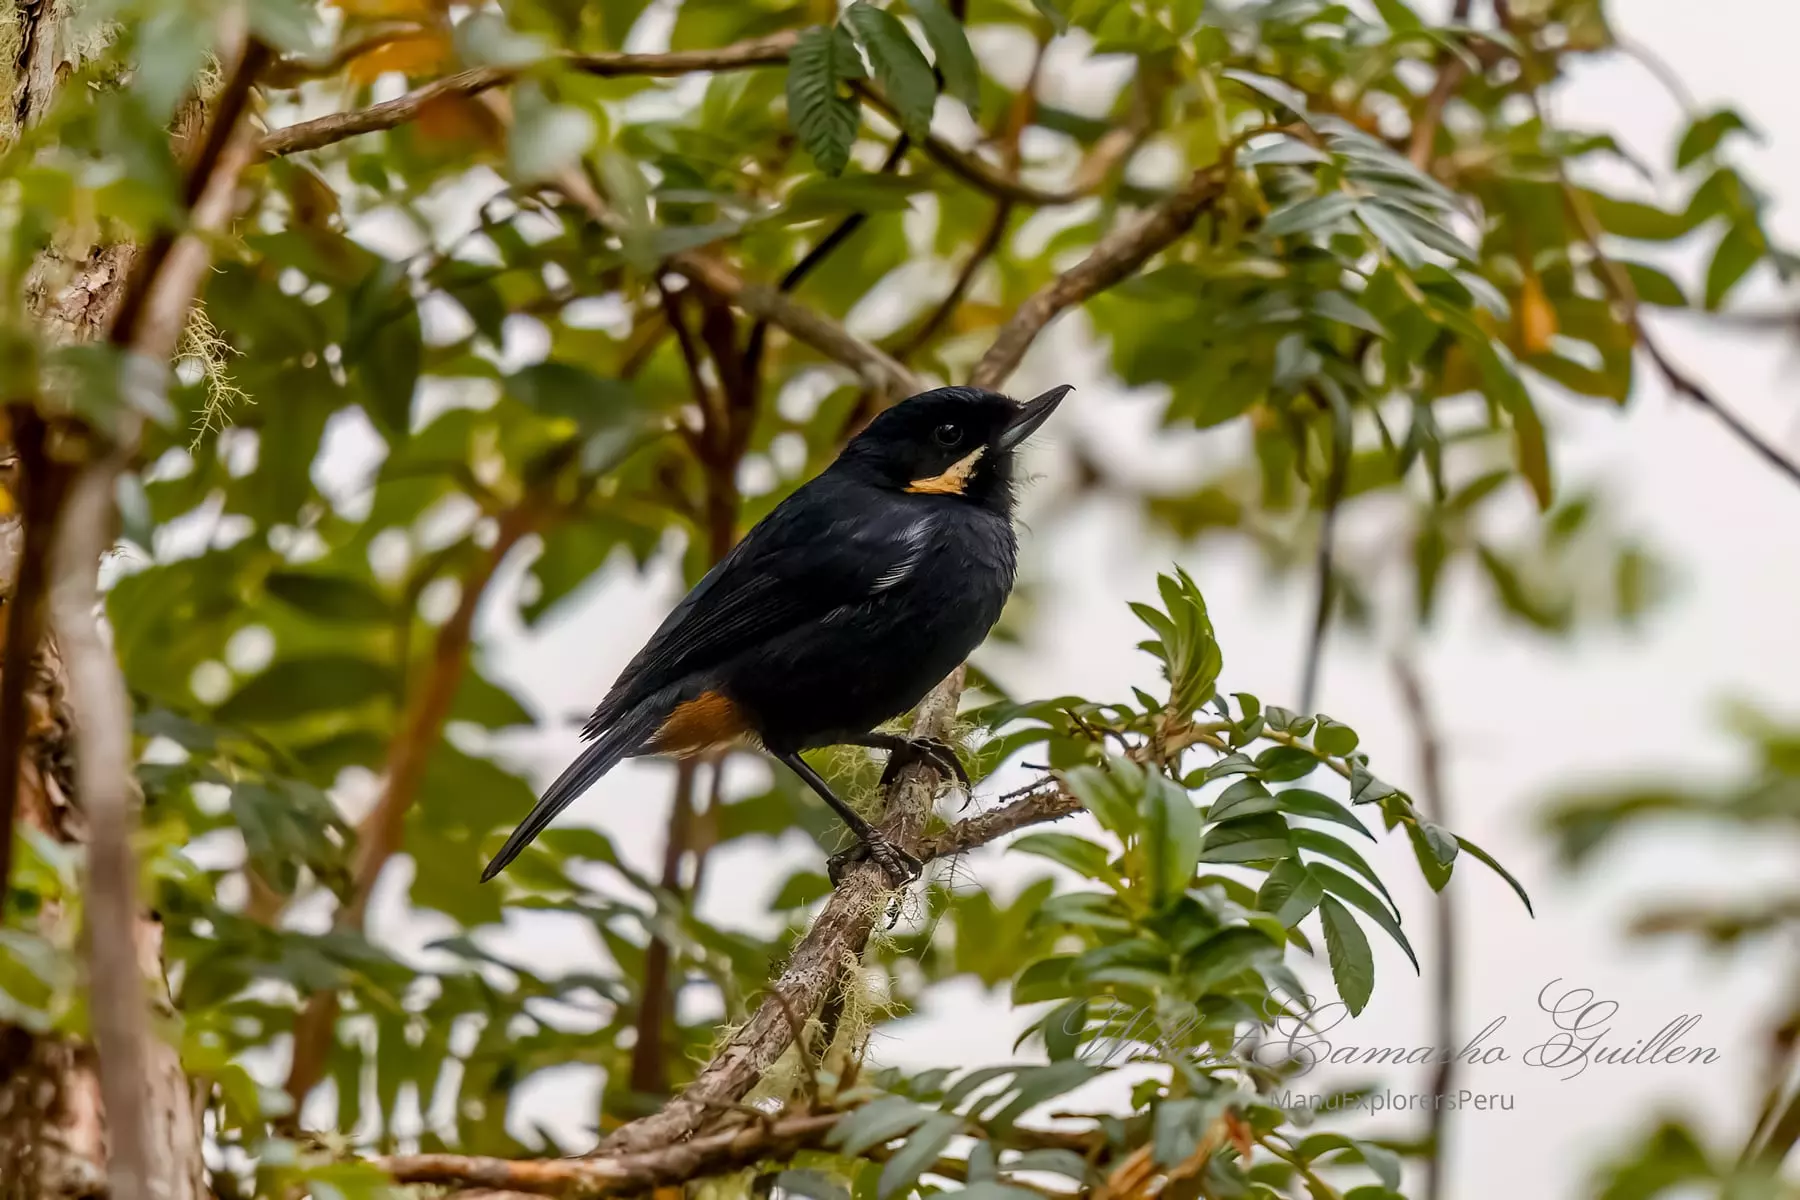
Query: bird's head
(950, 441)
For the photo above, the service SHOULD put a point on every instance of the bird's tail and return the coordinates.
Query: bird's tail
(616, 743)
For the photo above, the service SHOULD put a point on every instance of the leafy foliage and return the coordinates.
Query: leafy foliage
(473, 389)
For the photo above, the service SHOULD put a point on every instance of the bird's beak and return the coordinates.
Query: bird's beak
(1031, 415)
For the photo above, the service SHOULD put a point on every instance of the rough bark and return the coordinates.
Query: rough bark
(53, 1134)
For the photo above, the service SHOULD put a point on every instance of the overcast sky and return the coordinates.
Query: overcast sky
(1522, 718)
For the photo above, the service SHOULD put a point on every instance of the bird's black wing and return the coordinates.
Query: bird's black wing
(817, 551)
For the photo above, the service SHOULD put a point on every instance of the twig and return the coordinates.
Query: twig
(380, 835)
(810, 262)
(292, 72)
(324, 131)
(1112, 148)
(1435, 800)
(1326, 571)
(841, 931)
(815, 329)
(1114, 257)
(940, 316)
(802, 1051)
(1047, 801)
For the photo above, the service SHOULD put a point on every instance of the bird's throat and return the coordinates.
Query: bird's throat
(953, 480)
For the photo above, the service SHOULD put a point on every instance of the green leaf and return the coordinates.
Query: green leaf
(1245, 798)
(1352, 965)
(823, 116)
(1336, 306)
(1053, 12)
(1653, 286)
(1639, 222)
(950, 46)
(1399, 16)
(1063, 1027)
(899, 65)
(298, 687)
(1248, 839)
(1365, 788)
(875, 1123)
(1705, 134)
(1290, 892)
(1110, 792)
(563, 389)
(1741, 248)
(1307, 803)
(1283, 93)
(1441, 841)
(1320, 842)
(921, 1150)
(1436, 873)
(1333, 738)
(1493, 864)
(1038, 1084)
(1085, 858)
(1045, 979)
(1346, 888)
(1309, 215)
(345, 598)
(1172, 836)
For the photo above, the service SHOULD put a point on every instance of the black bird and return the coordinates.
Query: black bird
(841, 608)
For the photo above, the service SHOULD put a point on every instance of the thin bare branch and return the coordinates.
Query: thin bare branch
(805, 324)
(324, 131)
(292, 72)
(1435, 800)
(1114, 257)
(1111, 150)
(1047, 801)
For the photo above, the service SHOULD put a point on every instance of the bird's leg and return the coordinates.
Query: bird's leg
(904, 751)
(900, 866)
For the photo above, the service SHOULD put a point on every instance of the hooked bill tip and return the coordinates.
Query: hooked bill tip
(1032, 414)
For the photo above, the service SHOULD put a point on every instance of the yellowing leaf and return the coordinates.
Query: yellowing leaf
(458, 119)
(423, 53)
(1537, 318)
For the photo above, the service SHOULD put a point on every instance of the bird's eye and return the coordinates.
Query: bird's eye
(947, 435)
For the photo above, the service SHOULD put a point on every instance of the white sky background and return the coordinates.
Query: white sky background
(1521, 717)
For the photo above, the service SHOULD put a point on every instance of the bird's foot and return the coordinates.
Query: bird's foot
(935, 751)
(901, 867)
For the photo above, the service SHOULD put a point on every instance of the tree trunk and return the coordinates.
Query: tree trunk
(52, 1122)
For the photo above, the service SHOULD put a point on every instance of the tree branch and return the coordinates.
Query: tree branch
(1108, 152)
(1046, 800)
(813, 328)
(150, 318)
(627, 1173)
(324, 131)
(840, 933)
(1114, 257)
(379, 837)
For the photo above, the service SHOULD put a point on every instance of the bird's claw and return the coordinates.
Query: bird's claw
(935, 751)
(901, 867)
